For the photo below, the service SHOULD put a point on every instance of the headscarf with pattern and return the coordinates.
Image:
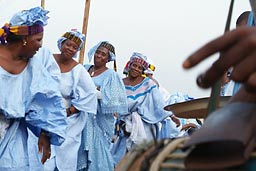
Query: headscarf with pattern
(26, 22)
(73, 35)
(105, 44)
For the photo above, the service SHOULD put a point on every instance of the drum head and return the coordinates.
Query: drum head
(196, 108)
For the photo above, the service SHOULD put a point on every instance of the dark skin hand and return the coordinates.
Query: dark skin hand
(237, 49)
(175, 120)
(71, 110)
(44, 147)
(187, 126)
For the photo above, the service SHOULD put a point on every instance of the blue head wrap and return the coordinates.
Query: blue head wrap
(138, 57)
(33, 16)
(73, 35)
(105, 44)
(251, 21)
(26, 22)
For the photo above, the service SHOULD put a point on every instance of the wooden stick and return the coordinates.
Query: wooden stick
(215, 92)
(84, 29)
(115, 67)
(43, 4)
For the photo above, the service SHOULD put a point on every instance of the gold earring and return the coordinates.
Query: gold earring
(24, 43)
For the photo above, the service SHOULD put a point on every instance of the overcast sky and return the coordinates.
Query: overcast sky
(166, 31)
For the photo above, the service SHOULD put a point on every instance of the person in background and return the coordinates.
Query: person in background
(36, 103)
(168, 128)
(150, 73)
(238, 49)
(188, 125)
(80, 98)
(146, 108)
(230, 87)
(112, 103)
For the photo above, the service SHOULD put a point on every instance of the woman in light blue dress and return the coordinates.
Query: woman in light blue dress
(80, 98)
(146, 108)
(112, 103)
(29, 95)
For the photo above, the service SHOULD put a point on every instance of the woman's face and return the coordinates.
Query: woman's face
(101, 56)
(68, 48)
(34, 42)
(136, 69)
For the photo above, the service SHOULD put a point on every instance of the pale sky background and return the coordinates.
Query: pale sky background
(166, 31)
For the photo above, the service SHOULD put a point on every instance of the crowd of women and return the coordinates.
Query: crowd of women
(81, 117)
(78, 117)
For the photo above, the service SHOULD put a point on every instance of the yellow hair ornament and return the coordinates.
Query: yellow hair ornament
(152, 67)
(15, 29)
(1, 32)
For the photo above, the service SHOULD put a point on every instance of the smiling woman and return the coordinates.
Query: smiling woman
(34, 104)
(166, 31)
(145, 109)
(112, 104)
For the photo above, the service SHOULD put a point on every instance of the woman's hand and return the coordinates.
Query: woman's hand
(44, 146)
(187, 126)
(175, 120)
(71, 110)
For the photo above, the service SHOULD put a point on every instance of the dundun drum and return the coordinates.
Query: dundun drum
(167, 155)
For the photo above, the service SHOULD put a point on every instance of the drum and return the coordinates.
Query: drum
(167, 155)
(164, 155)
(196, 108)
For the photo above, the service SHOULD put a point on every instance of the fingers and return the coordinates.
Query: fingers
(237, 50)
(177, 123)
(44, 147)
(187, 126)
(184, 128)
(175, 120)
(46, 154)
(210, 48)
(250, 84)
(240, 56)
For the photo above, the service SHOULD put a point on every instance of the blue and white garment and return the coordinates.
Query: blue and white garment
(29, 99)
(179, 97)
(95, 153)
(235, 86)
(45, 57)
(77, 89)
(146, 101)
